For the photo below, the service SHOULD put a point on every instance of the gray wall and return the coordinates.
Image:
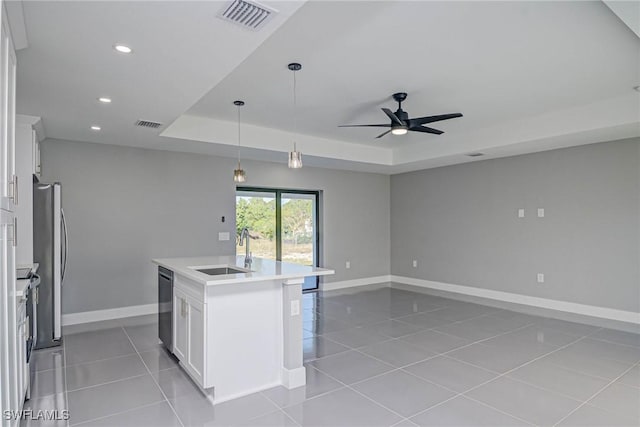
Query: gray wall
(460, 222)
(125, 206)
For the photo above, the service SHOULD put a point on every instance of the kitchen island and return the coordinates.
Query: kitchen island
(237, 329)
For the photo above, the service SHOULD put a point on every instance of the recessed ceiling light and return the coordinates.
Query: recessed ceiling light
(636, 88)
(104, 100)
(96, 128)
(122, 48)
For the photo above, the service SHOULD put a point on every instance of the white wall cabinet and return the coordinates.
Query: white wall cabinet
(27, 165)
(8, 181)
(189, 338)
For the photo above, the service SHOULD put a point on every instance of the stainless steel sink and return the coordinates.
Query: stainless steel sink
(219, 271)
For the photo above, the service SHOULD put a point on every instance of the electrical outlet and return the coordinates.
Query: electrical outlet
(223, 235)
(295, 307)
(540, 212)
(520, 213)
(415, 263)
(347, 264)
(540, 278)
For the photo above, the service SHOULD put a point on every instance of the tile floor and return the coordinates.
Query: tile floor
(376, 357)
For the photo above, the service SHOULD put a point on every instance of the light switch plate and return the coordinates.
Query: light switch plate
(540, 278)
(520, 213)
(347, 264)
(295, 307)
(223, 235)
(540, 212)
(415, 263)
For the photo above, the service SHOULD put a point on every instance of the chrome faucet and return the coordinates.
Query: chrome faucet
(248, 258)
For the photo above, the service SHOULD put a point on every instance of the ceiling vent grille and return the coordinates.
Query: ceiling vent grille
(475, 154)
(247, 14)
(148, 124)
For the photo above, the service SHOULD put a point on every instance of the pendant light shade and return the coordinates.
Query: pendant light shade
(239, 175)
(295, 156)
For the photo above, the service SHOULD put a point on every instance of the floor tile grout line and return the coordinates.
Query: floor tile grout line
(281, 409)
(107, 382)
(364, 395)
(456, 394)
(500, 375)
(586, 402)
(437, 354)
(146, 405)
(99, 360)
(577, 339)
(64, 366)
(66, 389)
(153, 378)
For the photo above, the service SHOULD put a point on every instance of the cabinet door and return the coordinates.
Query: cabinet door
(196, 341)
(21, 353)
(180, 324)
(8, 186)
(8, 326)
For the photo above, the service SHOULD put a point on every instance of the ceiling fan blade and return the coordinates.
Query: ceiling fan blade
(393, 117)
(430, 119)
(383, 134)
(426, 130)
(356, 126)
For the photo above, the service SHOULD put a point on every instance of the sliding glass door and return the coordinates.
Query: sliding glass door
(283, 225)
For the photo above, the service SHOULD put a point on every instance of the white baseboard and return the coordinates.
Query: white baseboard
(569, 307)
(108, 314)
(292, 378)
(355, 282)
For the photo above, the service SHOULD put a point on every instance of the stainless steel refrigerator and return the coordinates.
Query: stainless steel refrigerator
(50, 251)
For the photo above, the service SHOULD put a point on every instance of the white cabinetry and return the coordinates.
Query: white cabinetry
(8, 182)
(28, 131)
(179, 324)
(189, 338)
(11, 341)
(9, 375)
(21, 350)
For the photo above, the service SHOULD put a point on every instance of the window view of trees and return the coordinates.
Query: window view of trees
(258, 214)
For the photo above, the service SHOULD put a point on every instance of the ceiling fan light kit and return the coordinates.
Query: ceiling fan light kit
(401, 124)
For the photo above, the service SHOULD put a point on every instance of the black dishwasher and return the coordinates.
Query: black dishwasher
(165, 307)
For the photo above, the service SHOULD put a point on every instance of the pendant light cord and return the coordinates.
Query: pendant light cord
(238, 134)
(295, 110)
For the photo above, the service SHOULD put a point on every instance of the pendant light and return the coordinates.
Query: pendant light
(239, 174)
(295, 157)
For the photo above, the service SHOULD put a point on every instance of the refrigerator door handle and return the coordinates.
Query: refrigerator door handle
(65, 241)
(57, 264)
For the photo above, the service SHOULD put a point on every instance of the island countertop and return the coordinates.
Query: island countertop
(261, 269)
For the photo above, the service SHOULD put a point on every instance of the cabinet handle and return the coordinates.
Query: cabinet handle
(13, 187)
(14, 239)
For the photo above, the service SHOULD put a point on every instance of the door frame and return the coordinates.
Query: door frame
(278, 192)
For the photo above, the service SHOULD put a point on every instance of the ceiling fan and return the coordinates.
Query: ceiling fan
(401, 123)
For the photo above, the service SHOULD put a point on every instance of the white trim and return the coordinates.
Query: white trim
(292, 378)
(355, 282)
(108, 314)
(569, 307)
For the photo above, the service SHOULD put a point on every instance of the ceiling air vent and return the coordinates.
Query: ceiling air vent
(475, 154)
(148, 124)
(247, 14)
